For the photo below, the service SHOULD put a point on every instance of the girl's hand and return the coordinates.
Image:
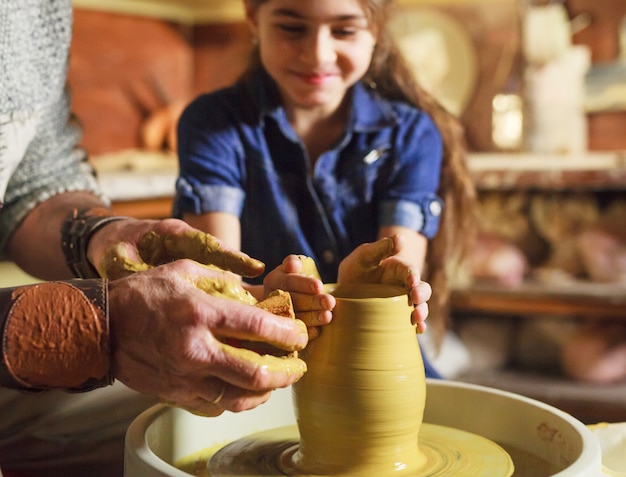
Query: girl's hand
(296, 276)
(378, 262)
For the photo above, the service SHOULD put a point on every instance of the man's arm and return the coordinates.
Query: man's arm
(35, 246)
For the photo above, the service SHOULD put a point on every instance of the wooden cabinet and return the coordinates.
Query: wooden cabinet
(595, 171)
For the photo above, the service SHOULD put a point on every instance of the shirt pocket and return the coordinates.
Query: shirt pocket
(357, 180)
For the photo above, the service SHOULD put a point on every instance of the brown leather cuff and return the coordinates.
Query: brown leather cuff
(76, 231)
(55, 335)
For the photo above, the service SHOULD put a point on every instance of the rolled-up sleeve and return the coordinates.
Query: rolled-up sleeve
(210, 153)
(410, 197)
(423, 217)
(198, 198)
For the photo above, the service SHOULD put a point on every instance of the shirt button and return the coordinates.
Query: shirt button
(328, 257)
(435, 208)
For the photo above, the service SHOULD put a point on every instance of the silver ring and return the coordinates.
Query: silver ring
(220, 394)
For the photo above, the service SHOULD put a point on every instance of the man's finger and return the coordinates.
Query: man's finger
(201, 247)
(120, 261)
(258, 372)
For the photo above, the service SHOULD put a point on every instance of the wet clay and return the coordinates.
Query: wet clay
(278, 302)
(154, 249)
(359, 407)
(264, 451)
(308, 267)
(198, 246)
(447, 452)
(55, 337)
(226, 288)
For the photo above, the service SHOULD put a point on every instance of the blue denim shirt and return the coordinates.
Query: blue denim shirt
(239, 154)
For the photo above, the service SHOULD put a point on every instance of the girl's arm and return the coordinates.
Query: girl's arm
(222, 225)
(227, 228)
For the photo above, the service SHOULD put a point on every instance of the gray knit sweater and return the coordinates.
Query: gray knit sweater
(39, 156)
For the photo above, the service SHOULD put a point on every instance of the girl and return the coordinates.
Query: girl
(326, 142)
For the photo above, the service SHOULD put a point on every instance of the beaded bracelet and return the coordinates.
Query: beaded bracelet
(76, 231)
(55, 335)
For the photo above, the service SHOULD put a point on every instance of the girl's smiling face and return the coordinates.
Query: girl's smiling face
(314, 49)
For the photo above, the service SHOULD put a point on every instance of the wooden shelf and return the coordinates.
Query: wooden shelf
(601, 173)
(516, 171)
(578, 299)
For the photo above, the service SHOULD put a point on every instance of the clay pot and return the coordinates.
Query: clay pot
(360, 405)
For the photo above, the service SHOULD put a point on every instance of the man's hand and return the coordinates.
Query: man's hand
(128, 246)
(169, 339)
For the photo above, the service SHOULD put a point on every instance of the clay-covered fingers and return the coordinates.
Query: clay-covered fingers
(221, 283)
(253, 373)
(420, 293)
(240, 379)
(171, 239)
(167, 336)
(270, 322)
(292, 282)
(362, 265)
(157, 248)
(371, 254)
(121, 260)
(130, 246)
(296, 273)
(254, 324)
(314, 311)
(259, 372)
(397, 272)
(308, 266)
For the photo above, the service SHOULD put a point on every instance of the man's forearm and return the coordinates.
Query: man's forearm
(36, 244)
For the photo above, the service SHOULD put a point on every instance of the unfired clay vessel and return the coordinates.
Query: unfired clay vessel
(360, 405)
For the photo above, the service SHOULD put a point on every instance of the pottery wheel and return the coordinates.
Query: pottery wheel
(448, 451)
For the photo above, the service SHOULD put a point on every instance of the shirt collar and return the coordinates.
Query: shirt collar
(370, 112)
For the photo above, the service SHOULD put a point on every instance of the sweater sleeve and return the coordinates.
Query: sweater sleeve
(52, 164)
(39, 152)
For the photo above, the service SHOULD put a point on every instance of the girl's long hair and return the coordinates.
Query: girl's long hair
(394, 80)
(390, 75)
